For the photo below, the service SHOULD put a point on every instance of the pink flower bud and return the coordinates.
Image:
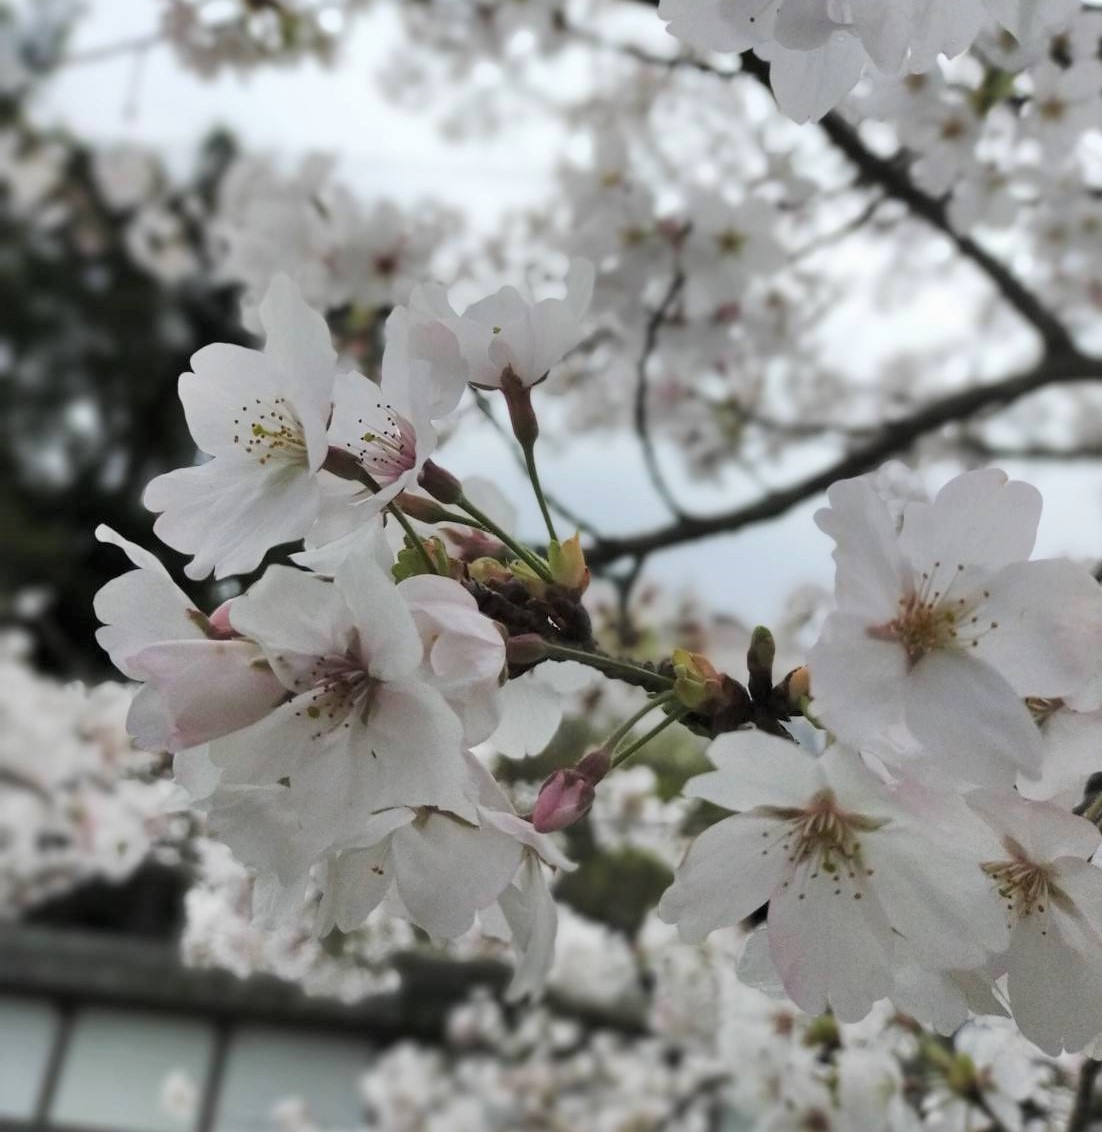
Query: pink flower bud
(564, 798)
(219, 622)
(567, 795)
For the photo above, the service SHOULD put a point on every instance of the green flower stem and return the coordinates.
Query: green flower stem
(622, 756)
(622, 732)
(413, 537)
(534, 477)
(522, 552)
(618, 669)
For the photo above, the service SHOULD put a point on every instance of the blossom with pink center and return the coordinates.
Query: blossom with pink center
(363, 728)
(849, 874)
(197, 683)
(945, 627)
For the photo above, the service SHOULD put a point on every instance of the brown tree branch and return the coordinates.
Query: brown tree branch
(1083, 1110)
(894, 438)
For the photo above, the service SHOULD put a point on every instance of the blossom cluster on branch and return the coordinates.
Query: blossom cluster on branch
(325, 717)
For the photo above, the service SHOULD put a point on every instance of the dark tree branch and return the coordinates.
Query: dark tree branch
(1083, 1110)
(894, 438)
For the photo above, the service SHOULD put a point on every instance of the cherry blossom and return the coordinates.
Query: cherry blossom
(1052, 895)
(844, 869)
(362, 729)
(262, 416)
(946, 627)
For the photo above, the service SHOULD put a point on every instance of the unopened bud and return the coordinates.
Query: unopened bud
(567, 562)
(696, 681)
(526, 649)
(518, 400)
(796, 688)
(422, 509)
(759, 663)
(439, 483)
(340, 462)
(486, 570)
(564, 798)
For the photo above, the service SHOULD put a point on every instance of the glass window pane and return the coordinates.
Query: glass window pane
(133, 1072)
(267, 1066)
(27, 1031)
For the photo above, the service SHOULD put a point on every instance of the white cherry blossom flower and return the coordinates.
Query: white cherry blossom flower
(446, 870)
(844, 868)
(505, 340)
(946, 627)
(262, 416)
(1040, 869)
(363, 730)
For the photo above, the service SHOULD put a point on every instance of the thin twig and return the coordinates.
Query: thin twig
(642, 429)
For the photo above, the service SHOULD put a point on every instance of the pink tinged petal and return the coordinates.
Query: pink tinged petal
(831, 942)
(1048, 626)
(756, 769)
(970, 719)
(857, 680)
(390, 645)
(230, 511)
(448, 870)
(729, 872)
(977, 519)
(148, 721)
(296, 617)
(533, 921)
(208, 688)
(355, 883)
